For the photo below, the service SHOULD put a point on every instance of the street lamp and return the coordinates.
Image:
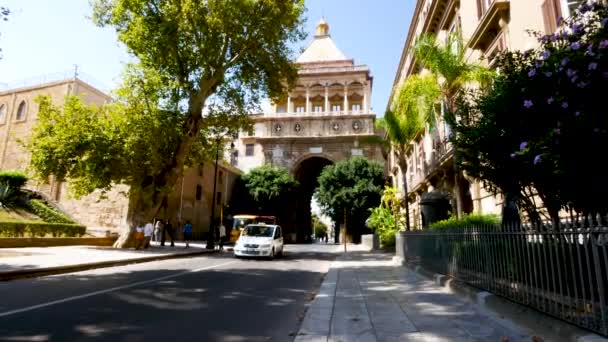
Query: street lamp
(211, 238)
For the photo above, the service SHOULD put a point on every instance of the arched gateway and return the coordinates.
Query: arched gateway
(326, 118)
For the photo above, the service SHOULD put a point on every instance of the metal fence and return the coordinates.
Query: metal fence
(562, 272)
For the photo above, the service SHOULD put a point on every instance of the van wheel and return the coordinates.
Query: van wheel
(271, 256)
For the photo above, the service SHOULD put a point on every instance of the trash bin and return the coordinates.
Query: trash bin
(434, 206)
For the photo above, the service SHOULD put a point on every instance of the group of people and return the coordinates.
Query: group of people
(159, 231)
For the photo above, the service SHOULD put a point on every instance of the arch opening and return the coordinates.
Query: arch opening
(306, 172)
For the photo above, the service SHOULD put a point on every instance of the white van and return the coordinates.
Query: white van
(260, 240)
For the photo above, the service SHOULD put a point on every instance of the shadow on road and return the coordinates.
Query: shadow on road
(248, 300)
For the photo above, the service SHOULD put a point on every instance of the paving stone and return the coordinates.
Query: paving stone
(366, 297)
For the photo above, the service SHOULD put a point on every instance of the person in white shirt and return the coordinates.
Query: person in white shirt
(148, 230)
(158, 230)
(222, 231)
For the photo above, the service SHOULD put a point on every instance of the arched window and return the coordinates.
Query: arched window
(2, 113)
(21, 111)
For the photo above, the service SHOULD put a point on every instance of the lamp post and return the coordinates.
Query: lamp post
(211, 238)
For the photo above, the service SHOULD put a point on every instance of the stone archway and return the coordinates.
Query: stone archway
(305, 171)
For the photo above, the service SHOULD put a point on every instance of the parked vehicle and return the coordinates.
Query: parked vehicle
(240, 221)
(264, 240)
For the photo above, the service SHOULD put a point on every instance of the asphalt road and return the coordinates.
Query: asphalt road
(211, 298)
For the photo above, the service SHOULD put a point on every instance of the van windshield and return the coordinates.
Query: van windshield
(255, 230)
(240, 223)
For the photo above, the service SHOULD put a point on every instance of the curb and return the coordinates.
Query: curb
(509, 313)
(316, 324)
(45, 271)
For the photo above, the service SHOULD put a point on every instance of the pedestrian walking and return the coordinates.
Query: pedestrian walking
(158, 231)
(222, 235)
(148, 230)
(139, 237)
(168, 229)
(187, 233)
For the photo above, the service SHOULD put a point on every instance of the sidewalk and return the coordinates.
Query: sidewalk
(28, 261)
(365, 297)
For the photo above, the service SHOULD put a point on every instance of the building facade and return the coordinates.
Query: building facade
(191, 199)
(327, 114)
(324, 119)
(488, 28)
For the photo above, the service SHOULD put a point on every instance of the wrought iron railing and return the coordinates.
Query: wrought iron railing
(562, 272)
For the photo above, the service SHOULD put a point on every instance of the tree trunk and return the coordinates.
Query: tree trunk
(457, 192)
(450, 108)
(145, 201)
(137, 215)
(403, 166)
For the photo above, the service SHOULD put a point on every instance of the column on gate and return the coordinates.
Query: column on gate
(365, 109)
(307, 100)
(326, 98)
(345, 98)
(289, 104)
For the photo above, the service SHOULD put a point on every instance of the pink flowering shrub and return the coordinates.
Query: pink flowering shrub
(542, 127)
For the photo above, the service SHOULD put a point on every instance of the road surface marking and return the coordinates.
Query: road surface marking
(90, 294)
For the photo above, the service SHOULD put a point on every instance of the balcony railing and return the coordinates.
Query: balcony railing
(321, 113)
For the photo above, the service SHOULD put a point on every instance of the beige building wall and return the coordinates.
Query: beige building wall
(501, 25)
(193, 196)
(99, 213)
(102, 212)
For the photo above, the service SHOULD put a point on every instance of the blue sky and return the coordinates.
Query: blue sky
(44, 37)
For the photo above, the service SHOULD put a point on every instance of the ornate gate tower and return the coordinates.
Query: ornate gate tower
(324, 119)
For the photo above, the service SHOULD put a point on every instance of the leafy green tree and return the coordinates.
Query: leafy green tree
(201, 66)
(411, 110)
(386, 218)
(538, 130)
(319, 228)
(269, 187)
(349, 188)
(447, 62)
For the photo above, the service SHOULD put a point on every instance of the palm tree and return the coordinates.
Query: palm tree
(410, 111)
(453, 73)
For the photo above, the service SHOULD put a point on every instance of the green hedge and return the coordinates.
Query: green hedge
(15, 179)
(467, 221)
(47, 213)
(40, 229)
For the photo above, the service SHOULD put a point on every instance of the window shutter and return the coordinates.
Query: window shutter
(551, 12)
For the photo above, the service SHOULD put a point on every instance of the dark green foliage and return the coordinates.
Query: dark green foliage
(15, 179)
(7, 195)
(47, 213)
(382, 221)
(319, 227)
(542, 125)
(215, 57)
(40, 229)
(353, 187)
(467, 221)
(269, 188)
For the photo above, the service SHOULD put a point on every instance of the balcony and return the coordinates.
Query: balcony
(442, 151)
(493, 17)
(321, 113)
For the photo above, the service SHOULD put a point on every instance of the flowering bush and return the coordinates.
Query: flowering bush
(542, 126)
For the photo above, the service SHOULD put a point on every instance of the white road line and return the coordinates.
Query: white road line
(90, 294)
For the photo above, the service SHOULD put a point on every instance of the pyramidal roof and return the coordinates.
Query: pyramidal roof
(322, 48)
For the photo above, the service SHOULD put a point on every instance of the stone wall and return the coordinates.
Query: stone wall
(184, 205)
